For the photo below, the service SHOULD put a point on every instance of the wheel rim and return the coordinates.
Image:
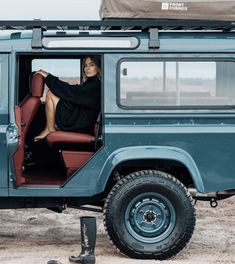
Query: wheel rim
(150, 217)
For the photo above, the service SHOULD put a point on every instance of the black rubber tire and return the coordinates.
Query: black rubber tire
(148, 182)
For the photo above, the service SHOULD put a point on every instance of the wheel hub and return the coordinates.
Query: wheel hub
(150, 217)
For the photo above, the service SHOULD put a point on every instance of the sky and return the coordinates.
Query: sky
(50, 9)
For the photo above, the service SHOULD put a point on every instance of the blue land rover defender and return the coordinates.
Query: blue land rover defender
(165, 135)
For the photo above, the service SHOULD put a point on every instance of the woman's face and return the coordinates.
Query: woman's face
(90, 68)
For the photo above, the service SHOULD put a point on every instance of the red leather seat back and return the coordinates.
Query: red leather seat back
(24, 115)
(37, 85)
(28, 111)
(31, 104)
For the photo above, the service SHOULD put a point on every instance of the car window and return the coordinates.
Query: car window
(177, 83)
(67, 70)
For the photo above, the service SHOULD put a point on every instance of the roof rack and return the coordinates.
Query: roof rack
(150, 25)
(118, 24)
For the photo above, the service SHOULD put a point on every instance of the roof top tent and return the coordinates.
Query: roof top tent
(166, 9)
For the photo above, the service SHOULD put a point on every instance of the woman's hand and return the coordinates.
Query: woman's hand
(43, 73)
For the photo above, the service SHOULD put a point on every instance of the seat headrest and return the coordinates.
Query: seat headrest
(37, 85)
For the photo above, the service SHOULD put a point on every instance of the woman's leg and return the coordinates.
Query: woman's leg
(50, 109)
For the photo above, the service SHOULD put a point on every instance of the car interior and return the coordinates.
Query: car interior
(53, 160)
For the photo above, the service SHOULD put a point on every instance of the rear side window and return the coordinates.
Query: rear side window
(187, 84)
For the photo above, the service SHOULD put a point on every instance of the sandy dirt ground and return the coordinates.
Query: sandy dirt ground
(34, 236)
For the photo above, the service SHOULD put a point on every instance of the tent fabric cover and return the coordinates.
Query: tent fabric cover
(174, 9)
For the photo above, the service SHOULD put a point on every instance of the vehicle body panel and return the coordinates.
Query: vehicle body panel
(200, 139)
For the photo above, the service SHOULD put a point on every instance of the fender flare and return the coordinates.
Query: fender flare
(149, 152)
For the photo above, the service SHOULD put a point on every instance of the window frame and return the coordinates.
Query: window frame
(172, 59)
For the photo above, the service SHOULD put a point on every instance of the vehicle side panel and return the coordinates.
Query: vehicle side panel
(207, 136)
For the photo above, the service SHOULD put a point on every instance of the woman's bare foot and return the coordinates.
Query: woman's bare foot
(43, 134)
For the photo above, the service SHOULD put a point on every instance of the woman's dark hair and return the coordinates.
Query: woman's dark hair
(96, 60)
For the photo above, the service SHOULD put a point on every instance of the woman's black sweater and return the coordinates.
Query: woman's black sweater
(79, 105)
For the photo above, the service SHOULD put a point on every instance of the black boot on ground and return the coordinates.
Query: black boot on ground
(54, 262)
(88, 240)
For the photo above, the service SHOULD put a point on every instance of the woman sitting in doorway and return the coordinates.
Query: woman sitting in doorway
(73, 107)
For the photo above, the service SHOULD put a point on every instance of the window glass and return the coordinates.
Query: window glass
(177, 83)
(3, 84)
(67, 70)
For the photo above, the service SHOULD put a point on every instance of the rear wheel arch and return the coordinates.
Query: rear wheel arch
(173, 167)
(146, 154)
(153, 157)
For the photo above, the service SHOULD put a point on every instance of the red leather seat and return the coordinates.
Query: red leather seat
(24, 114)
(68, 137)
(74, 137)
(73, 160)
